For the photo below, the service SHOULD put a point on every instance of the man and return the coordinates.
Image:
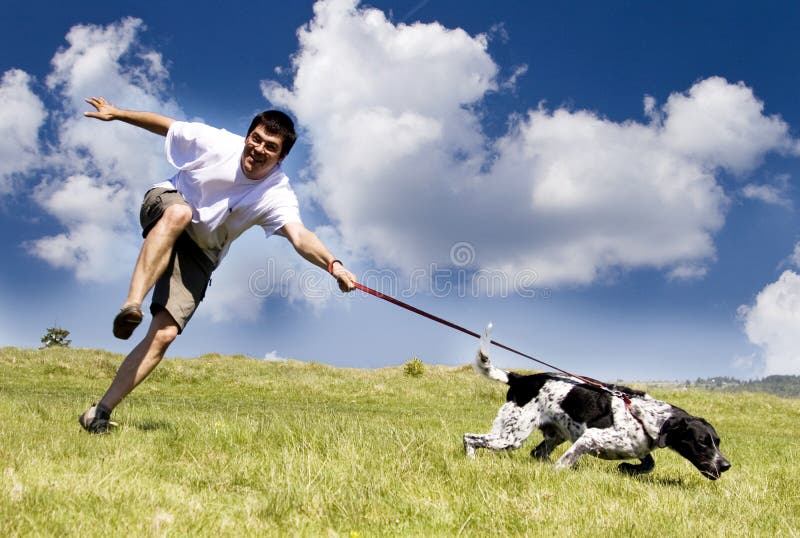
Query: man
(225, 184)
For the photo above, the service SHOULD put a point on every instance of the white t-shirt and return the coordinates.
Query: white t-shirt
(224, 201)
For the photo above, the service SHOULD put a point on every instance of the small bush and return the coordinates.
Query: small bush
(55, 337)
(414, 367)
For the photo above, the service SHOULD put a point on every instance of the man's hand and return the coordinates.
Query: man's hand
(105, 110)
(345, 278)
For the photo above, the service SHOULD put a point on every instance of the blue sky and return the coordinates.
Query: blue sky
(622, 174)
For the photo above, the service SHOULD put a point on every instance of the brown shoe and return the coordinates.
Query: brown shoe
(127, 320)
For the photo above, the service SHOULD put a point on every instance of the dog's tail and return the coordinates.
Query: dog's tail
(483, 364)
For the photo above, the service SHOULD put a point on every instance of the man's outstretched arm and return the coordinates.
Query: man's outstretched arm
(308, 245)
(155, 123)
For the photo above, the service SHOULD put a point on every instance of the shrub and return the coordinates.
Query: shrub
(414, 367)
(55, 337)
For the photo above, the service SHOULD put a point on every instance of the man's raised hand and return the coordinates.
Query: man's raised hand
(105, 110)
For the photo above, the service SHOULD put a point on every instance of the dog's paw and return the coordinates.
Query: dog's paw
(540, 455)
(469, 450)
(633, 470)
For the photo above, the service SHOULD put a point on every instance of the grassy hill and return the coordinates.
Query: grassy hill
(233, 446)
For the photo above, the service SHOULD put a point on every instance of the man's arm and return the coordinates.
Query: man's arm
(155, 123)
(308, 245)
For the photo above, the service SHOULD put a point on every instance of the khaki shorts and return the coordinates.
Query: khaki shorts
(183, 285)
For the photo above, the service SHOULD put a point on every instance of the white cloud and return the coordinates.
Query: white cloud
(72, 199)
(776, 193)
(580, 195)
(109, 61)
(795, 258)
(511, 81)
(403, 169)
(22, 113)
(258, 271)
(747, 364)
(374, 99)
(768, 194)
(236, 290)
(98, 245)
(651, 110)
(723, 125)
(97, 172)
(773, 323)
(273, 356)
(109, 58)
(93, 252)
(400, 163)
(688, 272)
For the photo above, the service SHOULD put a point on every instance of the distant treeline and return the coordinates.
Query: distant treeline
(787, 386)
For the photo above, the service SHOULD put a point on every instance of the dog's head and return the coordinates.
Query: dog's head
(697, 441)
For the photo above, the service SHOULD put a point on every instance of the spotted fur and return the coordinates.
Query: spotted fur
(595, 421)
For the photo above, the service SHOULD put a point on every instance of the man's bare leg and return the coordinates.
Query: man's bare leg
(156, 250)
(153, 259)
(142, 360)
(133, 370)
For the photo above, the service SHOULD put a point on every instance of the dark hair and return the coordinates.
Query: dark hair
(277, 123)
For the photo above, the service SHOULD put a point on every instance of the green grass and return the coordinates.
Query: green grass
(232, 446)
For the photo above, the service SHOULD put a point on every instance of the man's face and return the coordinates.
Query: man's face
(261, 153)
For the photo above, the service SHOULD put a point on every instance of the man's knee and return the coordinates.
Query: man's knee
(164, 336)
(177, 216)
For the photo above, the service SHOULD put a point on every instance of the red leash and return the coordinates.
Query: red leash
(394, 301)
(614, 392)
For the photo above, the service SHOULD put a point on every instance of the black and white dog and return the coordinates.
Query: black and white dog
(597, 421)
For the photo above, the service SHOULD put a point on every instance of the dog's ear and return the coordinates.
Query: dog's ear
(672, 425)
